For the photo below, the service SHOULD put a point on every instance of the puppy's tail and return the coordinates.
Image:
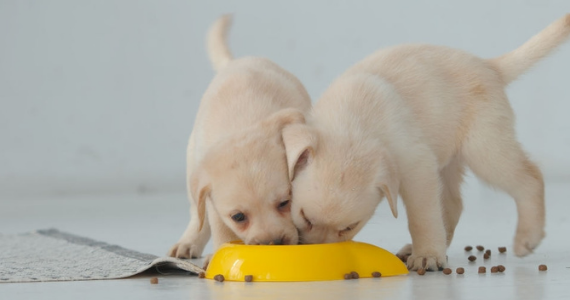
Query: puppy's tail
(218, 49)
(516, 62)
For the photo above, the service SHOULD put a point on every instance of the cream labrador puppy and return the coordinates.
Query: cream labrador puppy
(406, 121)
(238, 181)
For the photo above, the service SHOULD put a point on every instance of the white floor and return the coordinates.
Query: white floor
(151, 223)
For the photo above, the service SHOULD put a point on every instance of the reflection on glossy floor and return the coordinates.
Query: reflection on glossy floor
(151, 223)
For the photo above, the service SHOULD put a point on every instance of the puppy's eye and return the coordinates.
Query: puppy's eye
(239, 217)
(284, 205)
(349, 228)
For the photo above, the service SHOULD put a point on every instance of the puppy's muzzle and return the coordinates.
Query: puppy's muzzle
(278, 241)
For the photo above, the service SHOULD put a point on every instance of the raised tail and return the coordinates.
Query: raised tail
(218, 49)
(516, 62)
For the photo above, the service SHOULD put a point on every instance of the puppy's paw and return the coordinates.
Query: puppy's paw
(527, 240)
(428, 262)
(206, 261)
(184, 250)
(405, 253)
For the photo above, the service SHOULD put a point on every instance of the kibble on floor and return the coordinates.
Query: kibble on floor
(480, 248)
(482, 270)
(248, 278)
(502, 249)
(542, 268)
(494, 269)
(354, 275)
(501, 268)
(219, 278)
(447, 271)
(376, 274)
(468, 248)
(154, 280)
(421, 271)
(460, 271)
(472, 258)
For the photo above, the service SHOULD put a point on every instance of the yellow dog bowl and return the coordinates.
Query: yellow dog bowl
(316, 262)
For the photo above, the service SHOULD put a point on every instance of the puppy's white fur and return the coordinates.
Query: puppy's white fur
(236, 158)
(406, 121)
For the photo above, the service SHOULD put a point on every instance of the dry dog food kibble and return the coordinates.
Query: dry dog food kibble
(501, 268)
(480, 248)
(460, 270)
(201, 275)
(421, 271)
(447, 271)
(482, 270)
(472, 258)
(219, 278)
(376, 274)
(248, 278)
(542, 268)
(347, 276)
(502, 249)
(468, 248)
(494, 269)
(154, 280)
(354, 275)
(486, 256)
(488, 251)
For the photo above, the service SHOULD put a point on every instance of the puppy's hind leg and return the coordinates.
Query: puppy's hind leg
(452, 204)
(493, 153)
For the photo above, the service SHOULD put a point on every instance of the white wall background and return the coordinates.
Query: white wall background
(100, 95)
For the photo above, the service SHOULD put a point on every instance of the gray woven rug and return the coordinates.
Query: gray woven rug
(51, 255)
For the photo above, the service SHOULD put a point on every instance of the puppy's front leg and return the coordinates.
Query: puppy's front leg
(221, 233)
(193, 240)
(421, 193)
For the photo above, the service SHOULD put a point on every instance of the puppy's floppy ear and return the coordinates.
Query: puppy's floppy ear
(388, 181)
(200, 188)
(283, 118)
(300, 144)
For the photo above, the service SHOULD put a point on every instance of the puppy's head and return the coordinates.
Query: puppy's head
(246, 178)
(336, 182)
